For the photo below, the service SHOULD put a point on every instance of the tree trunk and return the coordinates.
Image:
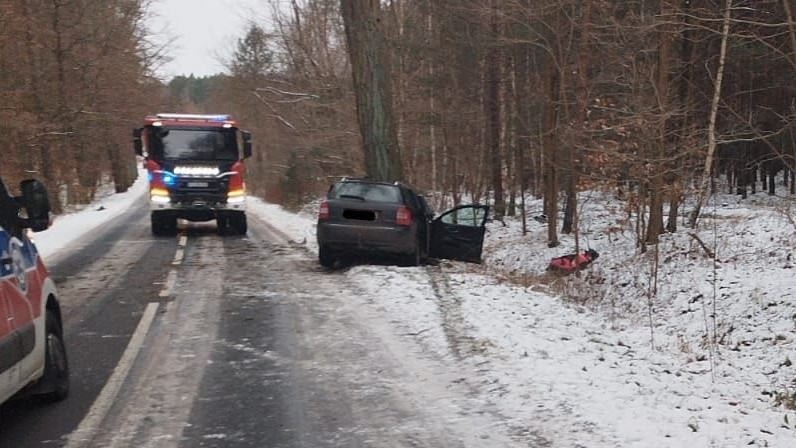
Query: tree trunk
(493, 115)
(432, 129)
(686, 123)
(714, 108)
(398, 12)
(655, 224)
(522, 118)
(549, 141)
(45, 153)
(772, 178)
(791, 163)
(370, 67)
(580, 138)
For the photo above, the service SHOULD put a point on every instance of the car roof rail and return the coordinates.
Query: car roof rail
(205, 117)
(370, 180)
(356, 179)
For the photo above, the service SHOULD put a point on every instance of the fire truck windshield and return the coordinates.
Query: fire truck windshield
(195, 144)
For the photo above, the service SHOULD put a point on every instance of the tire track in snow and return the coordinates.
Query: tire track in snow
(454, 326)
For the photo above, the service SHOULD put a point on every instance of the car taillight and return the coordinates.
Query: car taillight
(323, 211)
(403, 217)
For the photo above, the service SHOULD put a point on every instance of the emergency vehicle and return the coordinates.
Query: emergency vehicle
(32, 352)
(195, 169)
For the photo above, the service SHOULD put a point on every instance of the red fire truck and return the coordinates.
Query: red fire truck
(195, 168)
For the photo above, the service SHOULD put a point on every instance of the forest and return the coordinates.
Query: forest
(75, 77)
(489, 101)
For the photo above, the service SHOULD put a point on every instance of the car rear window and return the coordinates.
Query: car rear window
(367, 192)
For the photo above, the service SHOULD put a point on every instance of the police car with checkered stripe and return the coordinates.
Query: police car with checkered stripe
(32, 352)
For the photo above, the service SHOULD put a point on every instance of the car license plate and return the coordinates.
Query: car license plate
(197, 184)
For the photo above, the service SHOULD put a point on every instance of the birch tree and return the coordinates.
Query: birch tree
(714, 107)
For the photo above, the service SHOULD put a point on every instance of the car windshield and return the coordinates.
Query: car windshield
(195, 144)
(367, 192)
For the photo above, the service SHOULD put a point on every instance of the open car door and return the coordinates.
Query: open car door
(458, 234)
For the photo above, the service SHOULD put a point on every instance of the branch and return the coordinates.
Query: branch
(54, 133)
(275, 114)
(707, 250)
(282, 92)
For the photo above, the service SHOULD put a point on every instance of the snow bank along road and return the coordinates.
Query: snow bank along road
(201, 340)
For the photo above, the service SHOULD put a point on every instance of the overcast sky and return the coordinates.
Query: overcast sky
(205, 31)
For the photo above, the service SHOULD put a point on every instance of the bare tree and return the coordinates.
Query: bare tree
(714, 107)
(78, 70)
(493, 118)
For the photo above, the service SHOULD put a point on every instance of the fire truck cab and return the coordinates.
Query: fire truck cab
(195, 169)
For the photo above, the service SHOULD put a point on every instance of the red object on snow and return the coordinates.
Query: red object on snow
(571, 262)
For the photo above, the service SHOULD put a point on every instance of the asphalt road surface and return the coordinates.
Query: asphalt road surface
(208, 341)
(104, 285)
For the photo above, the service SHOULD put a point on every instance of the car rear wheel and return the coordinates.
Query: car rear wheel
(415, 258)
(56, 364)
(325, 257)
(424, 258)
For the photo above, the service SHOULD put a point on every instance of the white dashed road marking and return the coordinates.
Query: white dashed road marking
(178, 257)
(170, 281)
(88, 428)
(172, 277)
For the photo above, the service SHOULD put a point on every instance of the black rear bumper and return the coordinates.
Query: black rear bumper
(348, 238)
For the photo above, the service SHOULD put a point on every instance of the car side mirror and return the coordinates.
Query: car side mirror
(36, 203)
(137, 144)
(247, 144)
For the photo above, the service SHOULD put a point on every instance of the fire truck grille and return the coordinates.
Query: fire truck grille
(192, 190)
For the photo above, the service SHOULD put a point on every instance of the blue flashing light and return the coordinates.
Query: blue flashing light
(220, 118)
(169, 179)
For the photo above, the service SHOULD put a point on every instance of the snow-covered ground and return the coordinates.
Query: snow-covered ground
(584, 361)
(77, 224)
(712, 350)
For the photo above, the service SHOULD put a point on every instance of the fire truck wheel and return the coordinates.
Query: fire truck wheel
(222, 225)
(56, 365)
(237, 224)
(157, 226)
(163, 225)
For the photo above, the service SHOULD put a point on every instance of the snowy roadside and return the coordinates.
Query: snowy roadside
(587, 375)
(71, 226)
(298, 227)
(745, 303)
